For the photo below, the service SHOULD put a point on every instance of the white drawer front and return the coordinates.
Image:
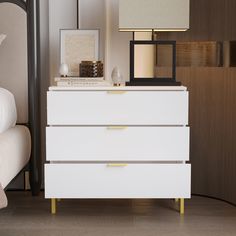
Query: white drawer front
(132, 181)
(117, 143)
(128, 108)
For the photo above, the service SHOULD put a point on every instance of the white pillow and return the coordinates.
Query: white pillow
(8, 114)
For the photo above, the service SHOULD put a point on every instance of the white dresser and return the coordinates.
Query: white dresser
(117, 142)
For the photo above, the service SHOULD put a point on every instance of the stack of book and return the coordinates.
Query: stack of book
(81, 82)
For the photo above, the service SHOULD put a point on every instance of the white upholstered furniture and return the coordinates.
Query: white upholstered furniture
(8, 113)
(117, 142)
(15, 141)
(15, 149)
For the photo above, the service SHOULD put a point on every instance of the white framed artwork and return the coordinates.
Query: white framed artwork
(76, 46)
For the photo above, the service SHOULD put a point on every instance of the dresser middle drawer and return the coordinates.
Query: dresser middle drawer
(117, 143)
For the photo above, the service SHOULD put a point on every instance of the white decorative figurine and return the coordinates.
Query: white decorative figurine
(64, 70)
(117, 77)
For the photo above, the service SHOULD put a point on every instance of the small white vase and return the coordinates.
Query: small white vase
(117, 77)
(63, 70)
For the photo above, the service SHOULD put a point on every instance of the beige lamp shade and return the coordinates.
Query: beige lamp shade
(158, 15)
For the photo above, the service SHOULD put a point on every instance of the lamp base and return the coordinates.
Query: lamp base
(149, 82)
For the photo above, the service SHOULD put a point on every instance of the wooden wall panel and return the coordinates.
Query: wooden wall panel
(209, 20)
(213, 130)
(212, 102)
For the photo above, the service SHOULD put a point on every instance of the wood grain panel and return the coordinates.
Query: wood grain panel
(209, 20)
(198, 54)
(212, 102)
(213, 129)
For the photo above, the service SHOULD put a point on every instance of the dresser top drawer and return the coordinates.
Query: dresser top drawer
(118, 107)
(146, 143)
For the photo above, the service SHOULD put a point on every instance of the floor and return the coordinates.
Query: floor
(30, 216)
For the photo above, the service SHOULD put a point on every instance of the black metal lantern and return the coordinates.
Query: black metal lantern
(157, 80)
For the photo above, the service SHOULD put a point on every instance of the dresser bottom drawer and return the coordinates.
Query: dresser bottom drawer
(117, 180)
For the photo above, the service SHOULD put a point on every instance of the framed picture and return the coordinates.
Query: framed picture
(77, 46)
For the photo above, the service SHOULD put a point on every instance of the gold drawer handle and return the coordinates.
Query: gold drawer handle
(116, 92)
(117, 165)
(116, 127)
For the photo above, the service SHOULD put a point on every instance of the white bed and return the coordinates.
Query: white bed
(15, 143)
(15, 147)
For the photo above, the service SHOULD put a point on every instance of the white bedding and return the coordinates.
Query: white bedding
(15, 148)
(8, 114)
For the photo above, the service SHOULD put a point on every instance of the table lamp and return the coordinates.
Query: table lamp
(141, 17)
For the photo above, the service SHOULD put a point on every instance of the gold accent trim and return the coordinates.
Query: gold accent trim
(182, 206)
(116, 92)
(117, 127)
(117, 165)
(53, 206)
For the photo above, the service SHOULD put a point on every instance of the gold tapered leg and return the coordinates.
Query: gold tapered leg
(53, 206)
(176, 200)
(182, 206)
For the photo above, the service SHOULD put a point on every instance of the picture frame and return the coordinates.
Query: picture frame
(156, 81)
(78, 45)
